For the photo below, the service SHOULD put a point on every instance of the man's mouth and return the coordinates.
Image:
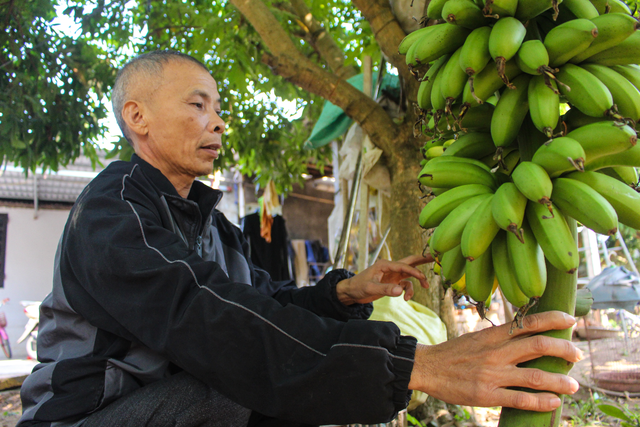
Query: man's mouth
(212, 147)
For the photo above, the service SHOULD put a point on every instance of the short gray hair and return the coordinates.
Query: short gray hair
(148, 65)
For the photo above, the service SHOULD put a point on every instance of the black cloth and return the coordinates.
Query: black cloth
(178, 401)
(273, 257)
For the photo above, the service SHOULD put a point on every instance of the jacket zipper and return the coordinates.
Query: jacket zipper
(199, 245)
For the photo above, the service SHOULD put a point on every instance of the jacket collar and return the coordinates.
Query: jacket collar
(204, 196)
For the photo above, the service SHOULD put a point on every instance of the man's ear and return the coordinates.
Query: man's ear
(133, 116)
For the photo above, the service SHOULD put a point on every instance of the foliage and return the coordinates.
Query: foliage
(627, 417)
(54, 86)
(51, 89)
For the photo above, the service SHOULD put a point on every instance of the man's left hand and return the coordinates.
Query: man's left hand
(384, 278)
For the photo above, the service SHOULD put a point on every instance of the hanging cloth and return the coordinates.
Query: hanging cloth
(269, 204)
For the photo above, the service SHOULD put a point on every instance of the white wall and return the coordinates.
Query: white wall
(30, 251)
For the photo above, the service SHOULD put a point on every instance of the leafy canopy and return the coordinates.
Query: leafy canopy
(55, 87)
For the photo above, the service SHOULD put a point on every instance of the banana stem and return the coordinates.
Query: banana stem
(560, 295)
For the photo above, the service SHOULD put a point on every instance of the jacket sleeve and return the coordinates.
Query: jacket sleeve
(128, 275)
(322, 299)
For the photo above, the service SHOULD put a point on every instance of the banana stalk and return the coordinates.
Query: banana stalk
(560, 294)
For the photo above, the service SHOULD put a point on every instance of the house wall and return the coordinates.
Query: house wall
(30, 250)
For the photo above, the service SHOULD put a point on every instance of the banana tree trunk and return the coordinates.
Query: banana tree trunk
(560, 295)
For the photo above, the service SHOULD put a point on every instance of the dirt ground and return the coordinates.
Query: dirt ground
(10, 407)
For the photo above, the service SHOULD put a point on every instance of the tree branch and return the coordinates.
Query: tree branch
(287, 61)
(322, 41)
(387, 32)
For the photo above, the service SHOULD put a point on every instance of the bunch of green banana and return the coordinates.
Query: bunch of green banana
(530, 110)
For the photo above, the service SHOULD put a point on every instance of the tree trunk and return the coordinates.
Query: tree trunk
(407, 238)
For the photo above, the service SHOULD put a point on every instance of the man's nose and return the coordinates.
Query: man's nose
(216, 124)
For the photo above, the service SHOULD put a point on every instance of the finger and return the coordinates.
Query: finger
(538, 379)
(415, 260)
(408, 289)
(532, 324)
(540, 345)
(545, 321)
(405, 270)
(539, 402)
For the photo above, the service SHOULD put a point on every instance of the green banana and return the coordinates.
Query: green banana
(529, 138)
(472, 145)
(624, 199)
(528, 262)
(500, 8)
(585, 205)
(477, 119)
(479, 277)
(485, 84)
(630, 157)
(582, 9)
(554, 237)
(508, 206)
(574, 118)
(626, 174)
(443, 175)
(434, 9)
(613, 29)
(479, 231)
(559, 156)
(452, 266)
(464, 13)
(426, 86)
(443, 39)
(625, 53)
(505, 272)
(448, 234)
(438, 103)
(608, 6)
(475, 52)
(533, 58)
(508, 163)
(453, 80)
(568, 40)
(625, 95)
(505, 40)
(529, 9)
(604, 139)
(544, 105)
(587, 93)
(439, 191)
(510, 112)
(455, 159)
(631, 72)
(434, 152)
(411, 38)
(437, 209)
(533, 182)
(584, 301)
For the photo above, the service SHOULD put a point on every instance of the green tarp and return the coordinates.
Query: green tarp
(333, 122)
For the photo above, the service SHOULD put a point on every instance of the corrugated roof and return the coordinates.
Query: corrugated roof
(62, 186)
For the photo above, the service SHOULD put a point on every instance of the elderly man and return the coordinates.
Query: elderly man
(158, 318)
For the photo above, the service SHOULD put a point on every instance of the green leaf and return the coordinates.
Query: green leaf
(614, 411)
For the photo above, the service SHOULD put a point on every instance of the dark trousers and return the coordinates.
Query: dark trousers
(179, 401)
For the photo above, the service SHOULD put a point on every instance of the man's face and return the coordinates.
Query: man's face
(183, 122)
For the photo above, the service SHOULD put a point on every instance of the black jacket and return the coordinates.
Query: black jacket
(147, 283)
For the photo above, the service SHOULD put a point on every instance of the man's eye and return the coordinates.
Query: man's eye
(198, 104)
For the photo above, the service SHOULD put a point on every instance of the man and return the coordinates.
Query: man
(158, 318)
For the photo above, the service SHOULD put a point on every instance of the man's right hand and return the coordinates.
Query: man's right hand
(477, 368)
